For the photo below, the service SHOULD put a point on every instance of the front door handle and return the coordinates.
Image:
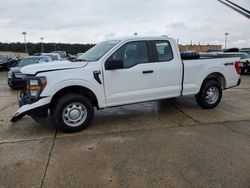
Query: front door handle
(148, 72)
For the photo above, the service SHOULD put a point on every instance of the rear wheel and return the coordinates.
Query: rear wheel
(72, 112)
(210, 94)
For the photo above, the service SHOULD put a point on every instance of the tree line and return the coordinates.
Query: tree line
(48, 47)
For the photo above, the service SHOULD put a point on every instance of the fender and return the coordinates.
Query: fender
(211, 70)
(77, 82)
(49, 92)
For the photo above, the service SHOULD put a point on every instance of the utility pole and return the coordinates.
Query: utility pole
(42, 43)
(25, 44)
(226, 35)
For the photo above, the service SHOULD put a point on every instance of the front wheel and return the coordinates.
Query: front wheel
(210, 94)
(72, 112)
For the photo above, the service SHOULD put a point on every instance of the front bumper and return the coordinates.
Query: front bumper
(37, 109)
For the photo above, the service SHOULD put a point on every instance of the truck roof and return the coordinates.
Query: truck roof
(142, 38)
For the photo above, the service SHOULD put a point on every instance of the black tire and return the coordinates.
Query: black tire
(65, 105)
(203, 99)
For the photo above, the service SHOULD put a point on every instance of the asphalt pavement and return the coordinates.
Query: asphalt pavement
(169, 143)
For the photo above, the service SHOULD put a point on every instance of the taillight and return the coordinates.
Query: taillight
(237, 65)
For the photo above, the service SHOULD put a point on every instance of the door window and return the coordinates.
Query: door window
(164, 51)
(132, 53)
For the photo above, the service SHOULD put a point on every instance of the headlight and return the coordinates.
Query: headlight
(35, 86)
(9, 74)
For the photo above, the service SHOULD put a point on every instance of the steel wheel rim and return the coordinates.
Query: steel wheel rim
(74, 114)
(212, 95)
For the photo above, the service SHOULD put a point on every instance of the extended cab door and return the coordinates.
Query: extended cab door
(134, 81)
(169, 69)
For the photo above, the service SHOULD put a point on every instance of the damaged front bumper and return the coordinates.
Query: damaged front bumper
(38, 108)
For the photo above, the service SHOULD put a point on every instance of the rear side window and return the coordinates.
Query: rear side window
(164, 51)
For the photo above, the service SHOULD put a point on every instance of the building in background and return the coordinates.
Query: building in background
(16, 54)
(199, 48)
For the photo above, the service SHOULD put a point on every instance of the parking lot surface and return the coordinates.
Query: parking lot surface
(169, 143)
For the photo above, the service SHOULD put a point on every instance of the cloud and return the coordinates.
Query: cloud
(81, 21)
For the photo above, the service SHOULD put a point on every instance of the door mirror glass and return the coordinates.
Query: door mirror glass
(112, 64)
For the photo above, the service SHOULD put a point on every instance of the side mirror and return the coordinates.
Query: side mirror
(112, 64)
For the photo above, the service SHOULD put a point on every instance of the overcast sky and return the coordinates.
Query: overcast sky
(91, 21)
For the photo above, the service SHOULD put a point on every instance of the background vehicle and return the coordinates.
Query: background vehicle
(7, 61)
(120, 72)
(214, 51)
(53, 56)
(245, 50)
(71, 57)
(79, 55)
(245, 59)
(15, 78)
(63, 54)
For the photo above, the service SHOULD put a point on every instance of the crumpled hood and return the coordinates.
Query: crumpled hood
(51, 66)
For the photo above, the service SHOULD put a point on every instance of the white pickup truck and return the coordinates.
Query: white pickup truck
(119, 72)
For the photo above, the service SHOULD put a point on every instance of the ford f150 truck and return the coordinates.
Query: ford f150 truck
(119, 72)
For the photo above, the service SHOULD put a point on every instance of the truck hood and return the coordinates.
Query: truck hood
(51, 66)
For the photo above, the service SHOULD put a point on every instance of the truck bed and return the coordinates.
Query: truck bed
(194, 71)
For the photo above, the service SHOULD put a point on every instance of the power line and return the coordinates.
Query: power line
(236, 8)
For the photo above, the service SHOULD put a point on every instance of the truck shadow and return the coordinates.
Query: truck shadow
(147, 115)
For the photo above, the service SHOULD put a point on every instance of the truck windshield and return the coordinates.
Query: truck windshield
(95, 53)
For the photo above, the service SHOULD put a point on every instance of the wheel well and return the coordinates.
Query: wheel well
(75, 89)
(218, 77)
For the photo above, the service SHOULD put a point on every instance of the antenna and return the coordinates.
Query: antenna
(243, 9)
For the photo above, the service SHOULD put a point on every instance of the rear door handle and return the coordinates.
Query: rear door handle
(148, 72)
